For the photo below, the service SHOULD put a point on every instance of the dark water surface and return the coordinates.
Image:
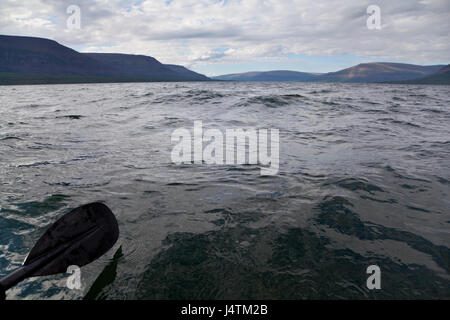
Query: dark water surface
(364, 179)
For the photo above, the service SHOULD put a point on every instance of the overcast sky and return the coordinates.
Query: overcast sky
(227, 36)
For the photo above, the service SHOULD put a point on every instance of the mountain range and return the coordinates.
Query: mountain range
(277, 75)
(364, 72)
(440, 77)
(31, 60)
(37, 60)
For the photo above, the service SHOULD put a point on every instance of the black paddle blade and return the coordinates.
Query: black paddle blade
(77, 238)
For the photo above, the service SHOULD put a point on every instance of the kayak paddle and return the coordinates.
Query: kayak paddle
(77, 238)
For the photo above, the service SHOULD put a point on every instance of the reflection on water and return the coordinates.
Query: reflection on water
(262, 264)
(363, 180)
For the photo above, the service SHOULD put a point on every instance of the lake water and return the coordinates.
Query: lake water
(364, 179)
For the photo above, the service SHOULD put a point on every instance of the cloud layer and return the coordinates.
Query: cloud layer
(199, 32)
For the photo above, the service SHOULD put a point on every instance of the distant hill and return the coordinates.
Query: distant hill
(28, 55)
(365, 72)
(442, 76)
(380, 72)
(185, 71)
(139, 66)
(277, 75)
(32, 60)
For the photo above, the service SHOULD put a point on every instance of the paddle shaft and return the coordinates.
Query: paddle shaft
(26, 271)
(77, 238)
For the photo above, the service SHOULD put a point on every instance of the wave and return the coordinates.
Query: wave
(274, 101)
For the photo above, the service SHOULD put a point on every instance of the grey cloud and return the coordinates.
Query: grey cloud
(194, 33)
(413, 31)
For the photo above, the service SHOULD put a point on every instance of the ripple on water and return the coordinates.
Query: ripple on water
(363, 180)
